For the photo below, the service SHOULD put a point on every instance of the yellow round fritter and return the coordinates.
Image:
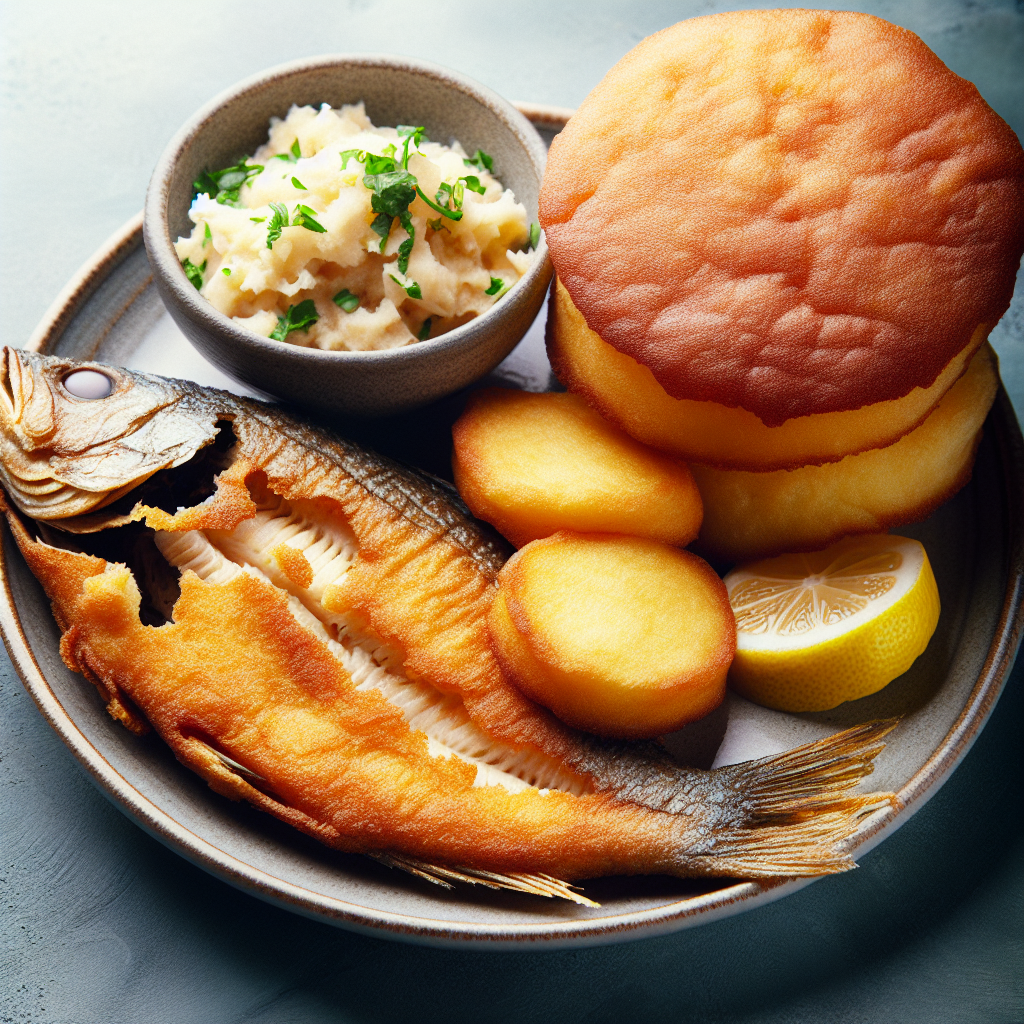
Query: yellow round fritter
(620, 636)
(790, 212)
(754, 515)
(532, 464)
(626, 393)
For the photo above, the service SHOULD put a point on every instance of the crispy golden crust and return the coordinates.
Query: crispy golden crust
(242, 679)
(789, 212)
(230, 504)
(756, 515)
(620, 636)
(626, 393)
(338, 763)
(533, 464)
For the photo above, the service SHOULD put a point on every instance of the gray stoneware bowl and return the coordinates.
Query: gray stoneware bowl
(396, 90)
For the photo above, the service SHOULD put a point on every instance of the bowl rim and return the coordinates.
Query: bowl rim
(168, 272)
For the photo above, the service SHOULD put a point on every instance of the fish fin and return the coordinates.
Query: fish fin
(812, 778)
(537, 884)
(794, 813)
(814, 846)
(234, 780)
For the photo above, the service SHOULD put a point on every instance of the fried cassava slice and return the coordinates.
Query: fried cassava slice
(754, 515)
(533, 464)
(621, 636)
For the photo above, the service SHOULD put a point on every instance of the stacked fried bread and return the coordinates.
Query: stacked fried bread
(781, 240)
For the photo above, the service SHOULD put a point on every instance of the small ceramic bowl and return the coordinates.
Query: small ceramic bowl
(396, 90)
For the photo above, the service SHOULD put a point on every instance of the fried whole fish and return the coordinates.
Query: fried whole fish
(304, 623)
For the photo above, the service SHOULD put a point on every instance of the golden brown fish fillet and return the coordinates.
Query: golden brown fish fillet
(327, 657)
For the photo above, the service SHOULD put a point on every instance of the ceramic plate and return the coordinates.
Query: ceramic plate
(111, 312)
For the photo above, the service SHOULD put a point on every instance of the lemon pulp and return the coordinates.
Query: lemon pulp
(819, 628)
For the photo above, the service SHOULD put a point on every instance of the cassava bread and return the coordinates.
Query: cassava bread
(785, 214)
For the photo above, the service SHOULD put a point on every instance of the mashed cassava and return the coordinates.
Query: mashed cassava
(340, 235)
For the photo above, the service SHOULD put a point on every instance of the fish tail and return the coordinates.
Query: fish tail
(812, 778)
(794, 812)
(815, 846)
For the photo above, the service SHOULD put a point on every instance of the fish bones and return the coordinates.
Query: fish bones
(304, 623)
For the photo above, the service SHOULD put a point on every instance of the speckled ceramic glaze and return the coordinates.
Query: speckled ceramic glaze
(396, 90)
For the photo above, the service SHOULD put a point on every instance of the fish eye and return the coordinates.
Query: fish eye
(88, 384)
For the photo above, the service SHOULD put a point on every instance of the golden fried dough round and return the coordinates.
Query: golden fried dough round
(626, 393)
(754, 515)
(788, 212)
(533, 464)
(620, 636)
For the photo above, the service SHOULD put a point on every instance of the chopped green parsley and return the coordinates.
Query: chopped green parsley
(304, 217)
(298, 318)
(226, 184)
(481, 161)
(193, 273)
(278, 222)
(412, 289)
(346, 300)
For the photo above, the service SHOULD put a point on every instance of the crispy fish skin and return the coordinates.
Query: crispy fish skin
(256, 700)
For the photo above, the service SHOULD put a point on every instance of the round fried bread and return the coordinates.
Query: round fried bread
(625, 392)
(789, 212)
(754, 515)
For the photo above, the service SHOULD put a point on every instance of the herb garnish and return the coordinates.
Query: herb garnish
(257, 220)
(496, 285)
(424, 330)
(404, 251)
(278, 221)
(298, 318)
(393, 190)
(304, 217)
(481, 161)
(534, 235)
(412, 136)
(193, 273)
(346, 300)
(207, 234)
(224, 185)
(290, 157)
(412, 290)
(473, 184)
(298, 184)
(450, 214)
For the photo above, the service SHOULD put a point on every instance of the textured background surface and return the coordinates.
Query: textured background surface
(98, 922)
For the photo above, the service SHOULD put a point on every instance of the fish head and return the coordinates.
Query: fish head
(75, 436)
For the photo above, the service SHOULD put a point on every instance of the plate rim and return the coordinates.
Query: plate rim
(720, 903)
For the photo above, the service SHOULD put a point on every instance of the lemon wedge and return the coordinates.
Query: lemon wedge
(819, 628)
